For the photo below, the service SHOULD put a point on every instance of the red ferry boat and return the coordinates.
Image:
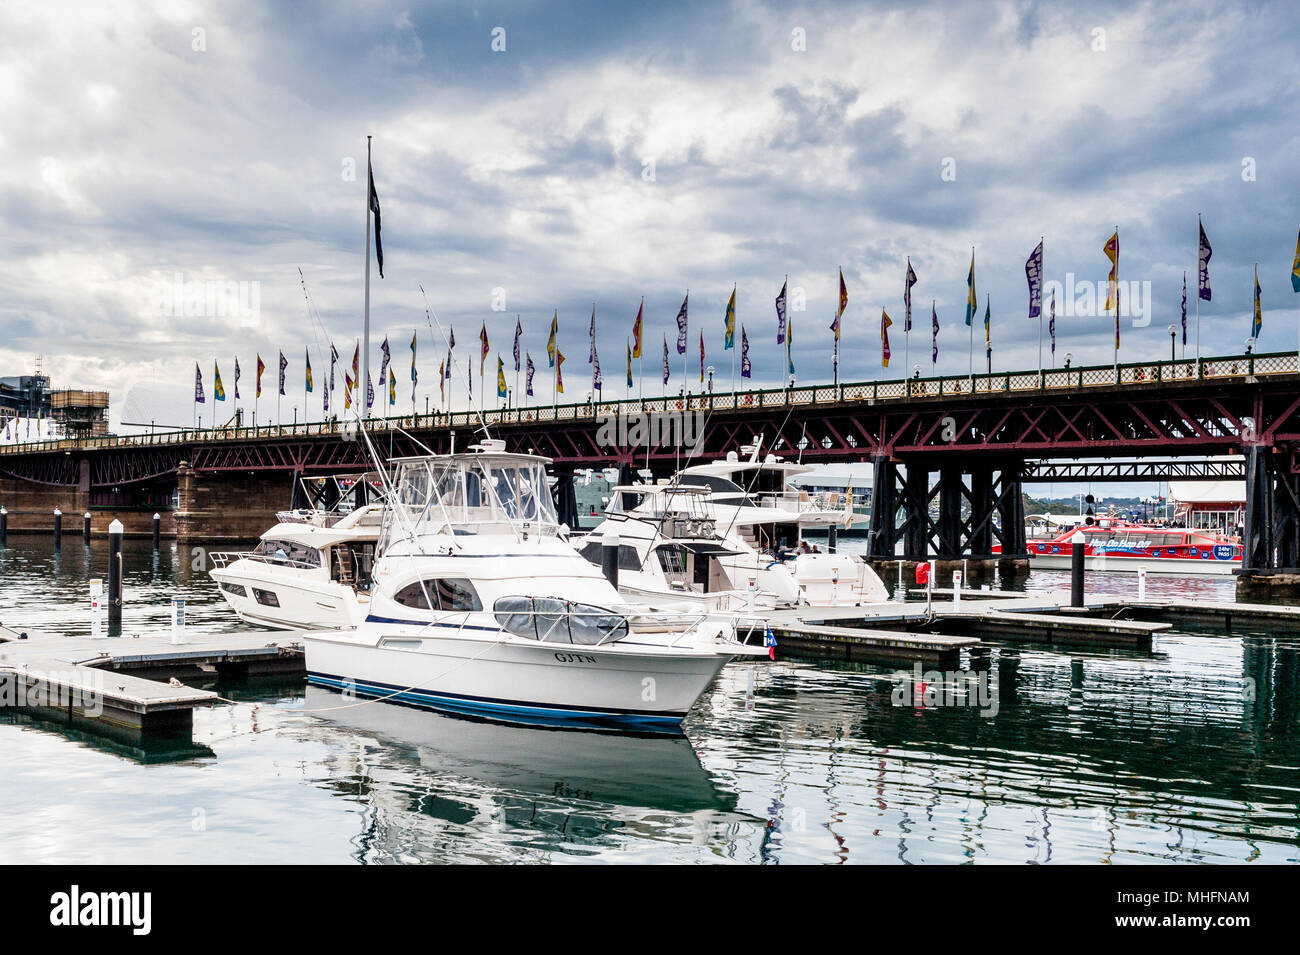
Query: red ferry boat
(1118, 545)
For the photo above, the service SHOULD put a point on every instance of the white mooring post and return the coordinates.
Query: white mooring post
(1142, 583)
(956, 588)
(750, 591)
(178, 619)
(96, 608)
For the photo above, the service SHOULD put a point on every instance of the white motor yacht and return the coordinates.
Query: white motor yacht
(480, 604)
(669, 553)
(310, 571)
(756, 511)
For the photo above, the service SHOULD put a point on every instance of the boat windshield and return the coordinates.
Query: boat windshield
(474, 494)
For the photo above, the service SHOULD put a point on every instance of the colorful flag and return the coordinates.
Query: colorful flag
(501, 378)
(307, 355)
(701, 356)
(1203, 253)
(844, 303)
(665, 359)
(746, 370)
(334, 357)
(415, 376)
(469, 380)
(1051, 322)
(374, 207)
(198, 390)
(218, 392)
(1258, 320)
(383, 365)
(780, 314)
(636, 331)
(356, 364)
(987, 319)
(392, 386)
(284, 363)
(1111, 248)
(885, 322)
(347, 391)
(555, 330)
(236, 379)
(449, 357)
(681, 325)
(370, 392)
(528, 363)
(1034, 274)
(908, 282)
(597, 381)
(789, 345)
(769, 641)
(1295, 267)
(972, 301)
(934, 335)
(261, 367)
(559, 371)
(591, 337)
(1184, 308)
(482, 347)
(629, 364)
(442, 380)
(729, 322)
(519, 330)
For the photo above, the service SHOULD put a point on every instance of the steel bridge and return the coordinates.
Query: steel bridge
(959, 446)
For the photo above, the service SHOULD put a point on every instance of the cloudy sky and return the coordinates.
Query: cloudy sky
(610, 152)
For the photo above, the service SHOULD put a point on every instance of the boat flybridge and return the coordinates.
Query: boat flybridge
(480, 604)
(758, 512)
(312, 570)
(669, 552)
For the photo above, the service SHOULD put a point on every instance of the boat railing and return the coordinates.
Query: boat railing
(220, 559)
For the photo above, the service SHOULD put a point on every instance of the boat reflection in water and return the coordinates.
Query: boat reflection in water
(532, 787)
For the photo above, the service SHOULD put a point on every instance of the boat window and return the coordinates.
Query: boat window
(237, 589)
(672, 558)
(594, 552)
(555, 620)
(291, 552)
(732, 491)
(448, 593)
(266, 597)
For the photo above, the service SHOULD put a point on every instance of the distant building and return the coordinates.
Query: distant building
(25, 396)
(1209, 505)
(79, 414)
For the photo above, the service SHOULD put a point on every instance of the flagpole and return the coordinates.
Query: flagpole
(1198, 293)
(1041, 240)
(970, 323)
(1116, 291)
(365, 355)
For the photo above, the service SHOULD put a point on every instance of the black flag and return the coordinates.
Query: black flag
(374, 207)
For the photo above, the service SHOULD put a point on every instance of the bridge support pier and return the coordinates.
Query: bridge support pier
(1270, 543)
(883, 542)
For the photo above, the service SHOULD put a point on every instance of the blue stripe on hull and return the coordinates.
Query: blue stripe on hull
(503, 709)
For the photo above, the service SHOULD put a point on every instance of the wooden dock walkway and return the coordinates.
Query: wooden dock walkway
(130, 688)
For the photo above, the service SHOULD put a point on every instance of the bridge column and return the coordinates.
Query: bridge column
(981, 512)
(916, 512)
(1014, 560)
(884, 510)
(951, 487)
(1257, 541)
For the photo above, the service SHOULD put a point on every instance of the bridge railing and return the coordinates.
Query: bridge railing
(1074, 378)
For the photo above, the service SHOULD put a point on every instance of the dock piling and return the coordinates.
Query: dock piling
(157, 522)
(4, 527)
(85, 527)
(58, 529)
(1076, 569)
(115, 574)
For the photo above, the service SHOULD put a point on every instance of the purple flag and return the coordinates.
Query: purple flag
(1184, 308)
(236, 379)
(780, 314)
(908, 282)
(1203, 260)
(198, 385)
(934, 334)
(745, 367)
(284, 363)
(1051, 321)
(519, 330)
(528, 360)
(1034, 273)
(681, 326)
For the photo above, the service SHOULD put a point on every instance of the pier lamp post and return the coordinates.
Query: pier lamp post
(710, 372)
(1173, 333)
(1250, 345)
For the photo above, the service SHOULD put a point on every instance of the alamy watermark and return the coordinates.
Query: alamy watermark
(208, 298)
(56, 690)
(1087, 299)
(933, 689)
(651, 429)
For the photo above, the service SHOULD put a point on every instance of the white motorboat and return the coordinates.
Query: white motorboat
(669, 553)
(310, 571)
(479, 604)
(756, 511)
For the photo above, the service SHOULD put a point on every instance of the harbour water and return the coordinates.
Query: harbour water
(1188, 753)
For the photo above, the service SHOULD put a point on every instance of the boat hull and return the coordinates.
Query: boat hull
(302, 602)
(1127, 564)
(517, 681)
